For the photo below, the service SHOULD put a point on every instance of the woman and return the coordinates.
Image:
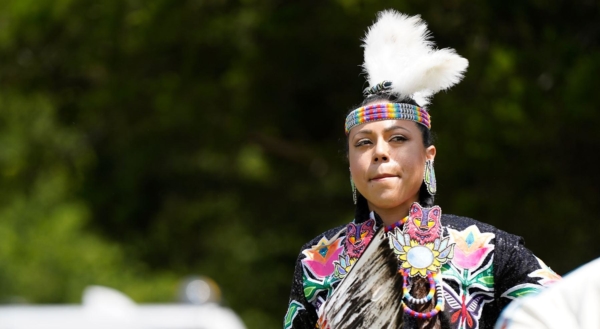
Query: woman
(401, 263)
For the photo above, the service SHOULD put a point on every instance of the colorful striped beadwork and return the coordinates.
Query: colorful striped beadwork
(389, 111)
(437, 287)
(389, 228)
(411, 299)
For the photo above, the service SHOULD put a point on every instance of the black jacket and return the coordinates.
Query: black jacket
(489, 269)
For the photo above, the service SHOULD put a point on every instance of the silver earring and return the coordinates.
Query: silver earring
(429, 178)
(353, 189)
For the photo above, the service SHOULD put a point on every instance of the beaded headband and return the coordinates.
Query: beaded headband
(389, 111)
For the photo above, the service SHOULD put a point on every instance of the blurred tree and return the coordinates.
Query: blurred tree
(45, 253)
(147, 140)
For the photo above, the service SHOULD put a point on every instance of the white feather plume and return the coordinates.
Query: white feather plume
(398, 49)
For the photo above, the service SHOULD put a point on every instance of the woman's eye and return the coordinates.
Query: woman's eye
(398, 138)
(363, 142)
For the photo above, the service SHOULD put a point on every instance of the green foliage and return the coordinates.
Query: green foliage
(46, 255)
(146, 140)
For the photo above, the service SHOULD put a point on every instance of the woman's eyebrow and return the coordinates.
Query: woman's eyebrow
(388, 129)
(364, 131)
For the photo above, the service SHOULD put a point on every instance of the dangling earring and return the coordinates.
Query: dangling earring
(353, 189)
(429, 178)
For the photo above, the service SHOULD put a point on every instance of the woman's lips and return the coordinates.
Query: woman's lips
(382, 177)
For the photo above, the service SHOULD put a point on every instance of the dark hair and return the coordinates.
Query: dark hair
(425, 199)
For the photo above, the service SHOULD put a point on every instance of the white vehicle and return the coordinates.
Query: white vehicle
(106, 308)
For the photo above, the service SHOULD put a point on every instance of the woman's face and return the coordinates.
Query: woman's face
(387, 162)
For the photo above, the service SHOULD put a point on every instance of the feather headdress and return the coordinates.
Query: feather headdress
(398, 50)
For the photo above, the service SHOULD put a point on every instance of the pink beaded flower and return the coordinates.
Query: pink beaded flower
(472, 247)
(319, 259)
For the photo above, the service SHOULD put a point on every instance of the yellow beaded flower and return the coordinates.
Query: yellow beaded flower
(420, 258)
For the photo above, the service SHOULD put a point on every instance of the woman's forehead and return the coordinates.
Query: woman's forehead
(378, 127)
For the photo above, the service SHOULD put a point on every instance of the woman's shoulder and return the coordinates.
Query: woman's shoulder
(466, 224)
(366, 227)
(326, 237)
(461, 223)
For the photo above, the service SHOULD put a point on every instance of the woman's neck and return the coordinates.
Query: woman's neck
(390, 216)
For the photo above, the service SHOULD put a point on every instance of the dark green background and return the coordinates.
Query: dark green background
(142, 141)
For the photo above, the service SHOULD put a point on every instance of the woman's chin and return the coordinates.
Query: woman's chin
(385, 201)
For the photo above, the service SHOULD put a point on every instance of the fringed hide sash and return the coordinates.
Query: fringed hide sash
(370, 295)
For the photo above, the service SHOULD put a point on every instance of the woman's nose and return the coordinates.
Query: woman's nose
(383, 158)
(381, 153)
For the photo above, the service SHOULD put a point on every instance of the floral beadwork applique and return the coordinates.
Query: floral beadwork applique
(473, 275)
(472, 247)
(475, 289)
(293, 310)
(481, 279)
(318, 267)
(313, 286)
(343, 266)
(521, 290)
(320, 257)
(546, 275)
